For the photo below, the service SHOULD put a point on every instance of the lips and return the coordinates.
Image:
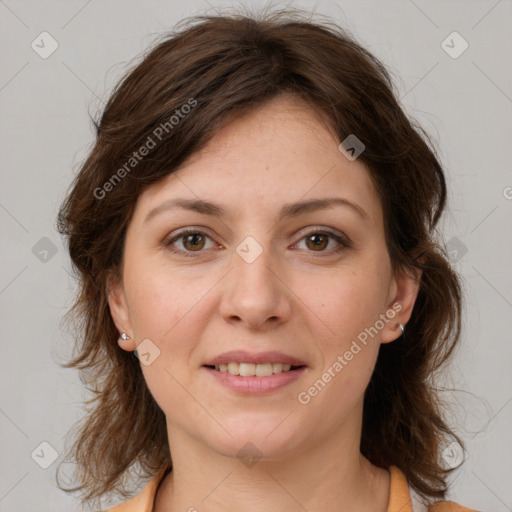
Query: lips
(254, 385)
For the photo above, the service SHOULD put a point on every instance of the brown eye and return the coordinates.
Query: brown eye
(317, 241)
(188, 242)
(193, 242)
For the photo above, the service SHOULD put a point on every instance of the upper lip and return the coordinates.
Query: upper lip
(242, 356)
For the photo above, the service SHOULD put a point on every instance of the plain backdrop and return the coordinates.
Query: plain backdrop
(462, 96)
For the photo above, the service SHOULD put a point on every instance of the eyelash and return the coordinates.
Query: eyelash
(344, 242)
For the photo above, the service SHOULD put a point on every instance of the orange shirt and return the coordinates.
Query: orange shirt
(400, 497)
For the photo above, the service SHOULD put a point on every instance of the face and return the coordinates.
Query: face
(261, 276)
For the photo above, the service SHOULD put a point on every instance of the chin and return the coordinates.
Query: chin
(258, 435)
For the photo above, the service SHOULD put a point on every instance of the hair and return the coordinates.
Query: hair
(221, 66)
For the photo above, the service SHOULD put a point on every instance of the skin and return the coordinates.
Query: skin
(306, 301)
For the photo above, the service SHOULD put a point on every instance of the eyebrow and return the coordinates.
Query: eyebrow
(288, 210)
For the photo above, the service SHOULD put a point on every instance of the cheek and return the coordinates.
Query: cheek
(159, 299)
(350, 302)
(167, 309)
(347, 359)
(350, 306)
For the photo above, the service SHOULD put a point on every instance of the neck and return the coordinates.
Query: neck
(315, 479)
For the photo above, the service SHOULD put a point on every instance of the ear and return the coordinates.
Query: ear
(404, 290)
(119, 310)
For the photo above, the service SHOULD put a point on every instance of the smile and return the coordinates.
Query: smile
(243, 379)
(254, 370)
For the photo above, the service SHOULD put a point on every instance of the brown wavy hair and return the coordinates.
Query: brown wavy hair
(227, 64)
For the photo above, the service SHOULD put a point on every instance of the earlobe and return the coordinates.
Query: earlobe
(119, 311)
(126, 343)
(406, 287)
(394, 327)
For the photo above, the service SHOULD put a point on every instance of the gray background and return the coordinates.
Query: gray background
(464, 102)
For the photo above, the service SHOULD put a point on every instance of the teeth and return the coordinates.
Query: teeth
(247, 370)
(234, 368)
(277, 367)
(262, 370)
(253, 370)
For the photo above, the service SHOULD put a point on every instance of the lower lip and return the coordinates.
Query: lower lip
(256, 385)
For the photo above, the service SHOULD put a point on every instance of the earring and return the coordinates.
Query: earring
(401, 327)
(125, 342)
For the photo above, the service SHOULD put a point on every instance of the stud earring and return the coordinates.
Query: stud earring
(124, 336)
(401, 327)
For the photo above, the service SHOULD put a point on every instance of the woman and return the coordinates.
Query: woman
(263, 300)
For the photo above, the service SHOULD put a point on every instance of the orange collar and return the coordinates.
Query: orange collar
(399, 496)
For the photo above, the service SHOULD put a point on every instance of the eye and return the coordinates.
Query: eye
(318, 239)
(192, 240)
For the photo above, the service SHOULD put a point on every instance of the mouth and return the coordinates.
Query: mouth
(254, 378)
(255, 373)
(254, 370)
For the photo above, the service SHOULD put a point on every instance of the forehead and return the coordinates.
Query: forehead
(280, 152)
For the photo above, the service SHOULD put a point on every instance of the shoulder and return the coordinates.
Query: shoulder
(449, 506)
(142, 502)
(404, 499)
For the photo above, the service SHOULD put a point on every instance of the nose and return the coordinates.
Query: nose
(255, 292)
